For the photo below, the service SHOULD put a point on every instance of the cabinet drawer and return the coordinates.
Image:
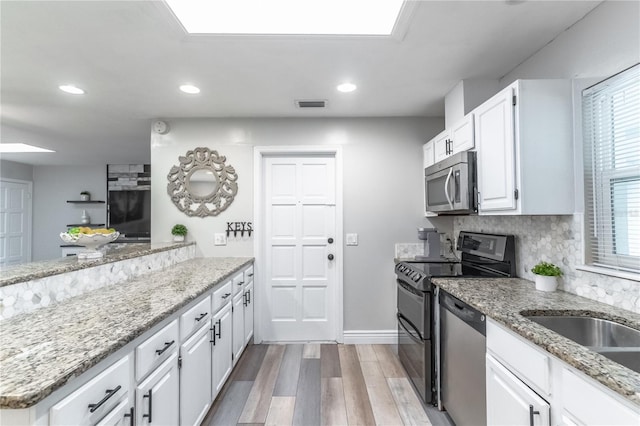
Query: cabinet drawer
(117, 416)
(238, 283)
(527, 362)
(156, 349)
(589, 404)
(221, 296)
(248, 275)
(101, 394)
(194, 318)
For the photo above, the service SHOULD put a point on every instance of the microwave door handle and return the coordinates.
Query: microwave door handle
(446, 188)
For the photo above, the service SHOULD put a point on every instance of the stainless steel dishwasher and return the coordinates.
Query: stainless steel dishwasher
(462, 361)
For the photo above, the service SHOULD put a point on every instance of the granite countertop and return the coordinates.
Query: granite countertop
(504, 299)
(40, 351)
(113, 253)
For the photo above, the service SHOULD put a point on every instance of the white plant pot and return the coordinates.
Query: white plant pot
(178, 238)
(84, 197)
(545, 283)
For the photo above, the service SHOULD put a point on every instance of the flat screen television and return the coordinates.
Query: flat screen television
(130, 213)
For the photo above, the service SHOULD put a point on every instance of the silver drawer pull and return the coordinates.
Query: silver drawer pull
(110, 393)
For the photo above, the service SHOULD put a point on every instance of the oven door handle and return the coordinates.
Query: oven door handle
(401, 320)
(446, 188)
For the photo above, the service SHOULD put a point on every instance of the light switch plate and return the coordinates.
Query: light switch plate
(219, 239)
(352, 239)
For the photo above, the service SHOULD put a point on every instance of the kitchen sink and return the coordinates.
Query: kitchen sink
(615, 341)
(589, 331)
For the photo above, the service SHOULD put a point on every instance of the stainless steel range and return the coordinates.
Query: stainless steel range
(483, 255)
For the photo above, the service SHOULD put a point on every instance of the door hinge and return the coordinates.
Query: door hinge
(180, 361)
(516, 194)
(514, 100)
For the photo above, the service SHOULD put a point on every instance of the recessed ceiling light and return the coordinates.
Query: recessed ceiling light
(21, 147)
(346, 87)
(190, 89)
(70, 88)
(318, 17)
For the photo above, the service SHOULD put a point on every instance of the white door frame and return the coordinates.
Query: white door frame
(29, 204)
(259, 154)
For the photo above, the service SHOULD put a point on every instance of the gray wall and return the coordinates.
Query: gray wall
(52, 187)
(382, 193)
(13, 170)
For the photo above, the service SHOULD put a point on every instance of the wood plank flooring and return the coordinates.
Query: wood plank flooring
(318, 385)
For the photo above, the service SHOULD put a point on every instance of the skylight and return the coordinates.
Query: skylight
(21, 147)
(287, 17)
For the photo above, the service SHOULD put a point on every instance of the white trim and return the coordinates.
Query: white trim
(259, 153)
(370, 337)
(29, 238)
(607, 271)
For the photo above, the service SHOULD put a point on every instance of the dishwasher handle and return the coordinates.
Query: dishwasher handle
(464, 311)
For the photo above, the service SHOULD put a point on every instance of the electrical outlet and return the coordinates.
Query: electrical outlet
(219, 239)
(352, 239)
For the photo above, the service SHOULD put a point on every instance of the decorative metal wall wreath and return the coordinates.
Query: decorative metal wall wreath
(202, 184)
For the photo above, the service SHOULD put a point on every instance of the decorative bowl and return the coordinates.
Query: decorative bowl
(92, 242)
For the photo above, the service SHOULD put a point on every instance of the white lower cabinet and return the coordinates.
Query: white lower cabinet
(528, 386)
(238, 326)
(157, 398)
(221, 359)
(248, 313)
(97, 398)
(195, 377)
(510, 402)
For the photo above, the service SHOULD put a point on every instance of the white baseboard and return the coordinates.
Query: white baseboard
(364, 337)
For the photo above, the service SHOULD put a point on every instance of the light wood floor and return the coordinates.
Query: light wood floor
(320, 384)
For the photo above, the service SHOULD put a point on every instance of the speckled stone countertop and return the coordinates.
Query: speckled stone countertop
(506, 299)
(40, 351)
(113, 253)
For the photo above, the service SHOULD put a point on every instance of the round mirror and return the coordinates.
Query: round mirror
(202, 183)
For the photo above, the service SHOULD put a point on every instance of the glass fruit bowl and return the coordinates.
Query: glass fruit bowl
(92, 242)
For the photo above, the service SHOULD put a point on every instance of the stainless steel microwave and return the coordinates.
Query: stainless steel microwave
(450, 185)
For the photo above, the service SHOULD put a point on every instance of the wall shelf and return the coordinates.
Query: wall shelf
(90, 225)
(85, 202)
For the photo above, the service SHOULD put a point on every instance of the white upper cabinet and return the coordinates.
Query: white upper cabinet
(428, 154)
(524, 140)
(453, 140)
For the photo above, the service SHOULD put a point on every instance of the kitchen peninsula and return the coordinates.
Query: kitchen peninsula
(56, 355)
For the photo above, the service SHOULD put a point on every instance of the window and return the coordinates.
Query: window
(611, 120)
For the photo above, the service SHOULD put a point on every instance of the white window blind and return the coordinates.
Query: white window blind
(611, 120)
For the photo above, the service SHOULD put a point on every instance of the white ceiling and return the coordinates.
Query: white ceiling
(130, 57)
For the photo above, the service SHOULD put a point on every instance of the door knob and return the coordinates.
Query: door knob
(330, 240)
(330, 257)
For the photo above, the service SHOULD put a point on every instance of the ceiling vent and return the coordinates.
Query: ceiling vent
(311, 104)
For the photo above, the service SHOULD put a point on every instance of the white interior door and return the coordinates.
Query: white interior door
(300, 265)
(15, 222)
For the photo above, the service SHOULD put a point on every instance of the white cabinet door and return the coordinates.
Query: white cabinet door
(157, 398)
(238, 326)
(495, 141)
(462, 135)
(195, 376)
(428, 154)
(248, 313)
(221, 359)
(511, 402)
(441, 146)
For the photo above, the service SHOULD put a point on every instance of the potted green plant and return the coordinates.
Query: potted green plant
(179, 232)
(85, 196)
(546, 276)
